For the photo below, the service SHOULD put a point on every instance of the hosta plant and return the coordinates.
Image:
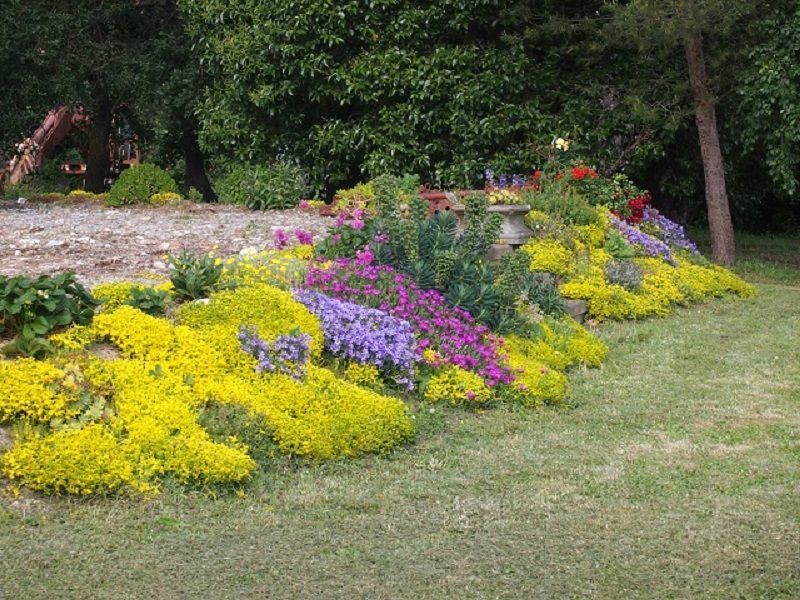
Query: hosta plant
(31, 308)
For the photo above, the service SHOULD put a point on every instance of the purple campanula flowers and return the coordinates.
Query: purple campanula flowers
(288, 354)
(652, 246)
(672, 233)
(364, 335)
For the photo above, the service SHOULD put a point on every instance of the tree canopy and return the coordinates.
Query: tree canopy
(441, 88)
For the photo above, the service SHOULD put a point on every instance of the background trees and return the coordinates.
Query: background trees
(441, 88)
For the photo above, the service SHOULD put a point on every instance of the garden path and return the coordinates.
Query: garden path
(101, 244)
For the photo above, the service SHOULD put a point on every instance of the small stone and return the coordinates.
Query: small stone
(158, 264)
(55, 243)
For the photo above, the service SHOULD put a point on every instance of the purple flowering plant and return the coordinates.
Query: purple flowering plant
(288, 354)
(280, 239)
(364, 335)
(451, 332)
(303, 236)
(669, 231)
(650, 245)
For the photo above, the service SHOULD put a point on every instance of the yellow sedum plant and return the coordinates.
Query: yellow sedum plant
(550, 256)
(71, 461)
(457, 386)
(32, 389)
(155, 392)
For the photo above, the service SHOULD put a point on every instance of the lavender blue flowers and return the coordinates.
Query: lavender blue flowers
(672, 233)
(288, 354)
(652, 246)
(365, 335)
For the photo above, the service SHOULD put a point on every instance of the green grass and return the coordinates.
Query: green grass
(675, 474)
(762, 258)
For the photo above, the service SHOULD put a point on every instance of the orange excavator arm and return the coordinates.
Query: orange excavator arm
(32, 151)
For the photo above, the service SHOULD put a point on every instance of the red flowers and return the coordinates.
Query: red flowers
(580, 173)
(637, 205)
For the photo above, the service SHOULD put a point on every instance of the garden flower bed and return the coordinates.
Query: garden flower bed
(328, 349)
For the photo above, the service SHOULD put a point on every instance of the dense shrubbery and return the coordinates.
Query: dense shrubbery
(262, 187)
(140, 183)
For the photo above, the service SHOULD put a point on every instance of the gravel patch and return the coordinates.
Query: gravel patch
(101, 244)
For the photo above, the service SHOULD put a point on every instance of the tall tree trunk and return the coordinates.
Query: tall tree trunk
(97, 154)
(195, 175)
(719, 214)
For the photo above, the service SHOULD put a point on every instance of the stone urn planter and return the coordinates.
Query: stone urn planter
(514, 231)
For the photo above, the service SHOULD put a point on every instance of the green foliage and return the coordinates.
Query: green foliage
(625, 273)
(541, 292)
(618, 247)
(137, 184)
(340, 86)
(263, 187)
(563, 202)
(194, 195)
(194, 277)
(149, 300)
(32, 308)
(769, 112)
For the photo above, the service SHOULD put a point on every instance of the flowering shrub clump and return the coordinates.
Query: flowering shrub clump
(458, 387)
(365, 335)
(284, 269)
(288, 354)
(452, 332)
(550, 256)
(624, 272)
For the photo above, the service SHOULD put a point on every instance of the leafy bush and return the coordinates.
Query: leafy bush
(194, 277)
(32, 308)
(139, 183)
(263, 187)
(562, 201)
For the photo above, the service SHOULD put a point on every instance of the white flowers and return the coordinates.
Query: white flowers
(561, 144)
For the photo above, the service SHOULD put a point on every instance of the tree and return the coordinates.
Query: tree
(112, 56)
(351, 89)
(665, 26)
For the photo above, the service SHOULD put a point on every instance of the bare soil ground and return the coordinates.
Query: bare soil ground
(102, 244)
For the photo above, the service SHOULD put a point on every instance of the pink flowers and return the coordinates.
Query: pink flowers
(280, 239)
(303, 236)
(364, 257)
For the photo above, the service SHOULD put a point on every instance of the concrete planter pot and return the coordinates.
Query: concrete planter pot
(514, 231)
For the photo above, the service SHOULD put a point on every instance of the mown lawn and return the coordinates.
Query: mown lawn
(676, 473)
